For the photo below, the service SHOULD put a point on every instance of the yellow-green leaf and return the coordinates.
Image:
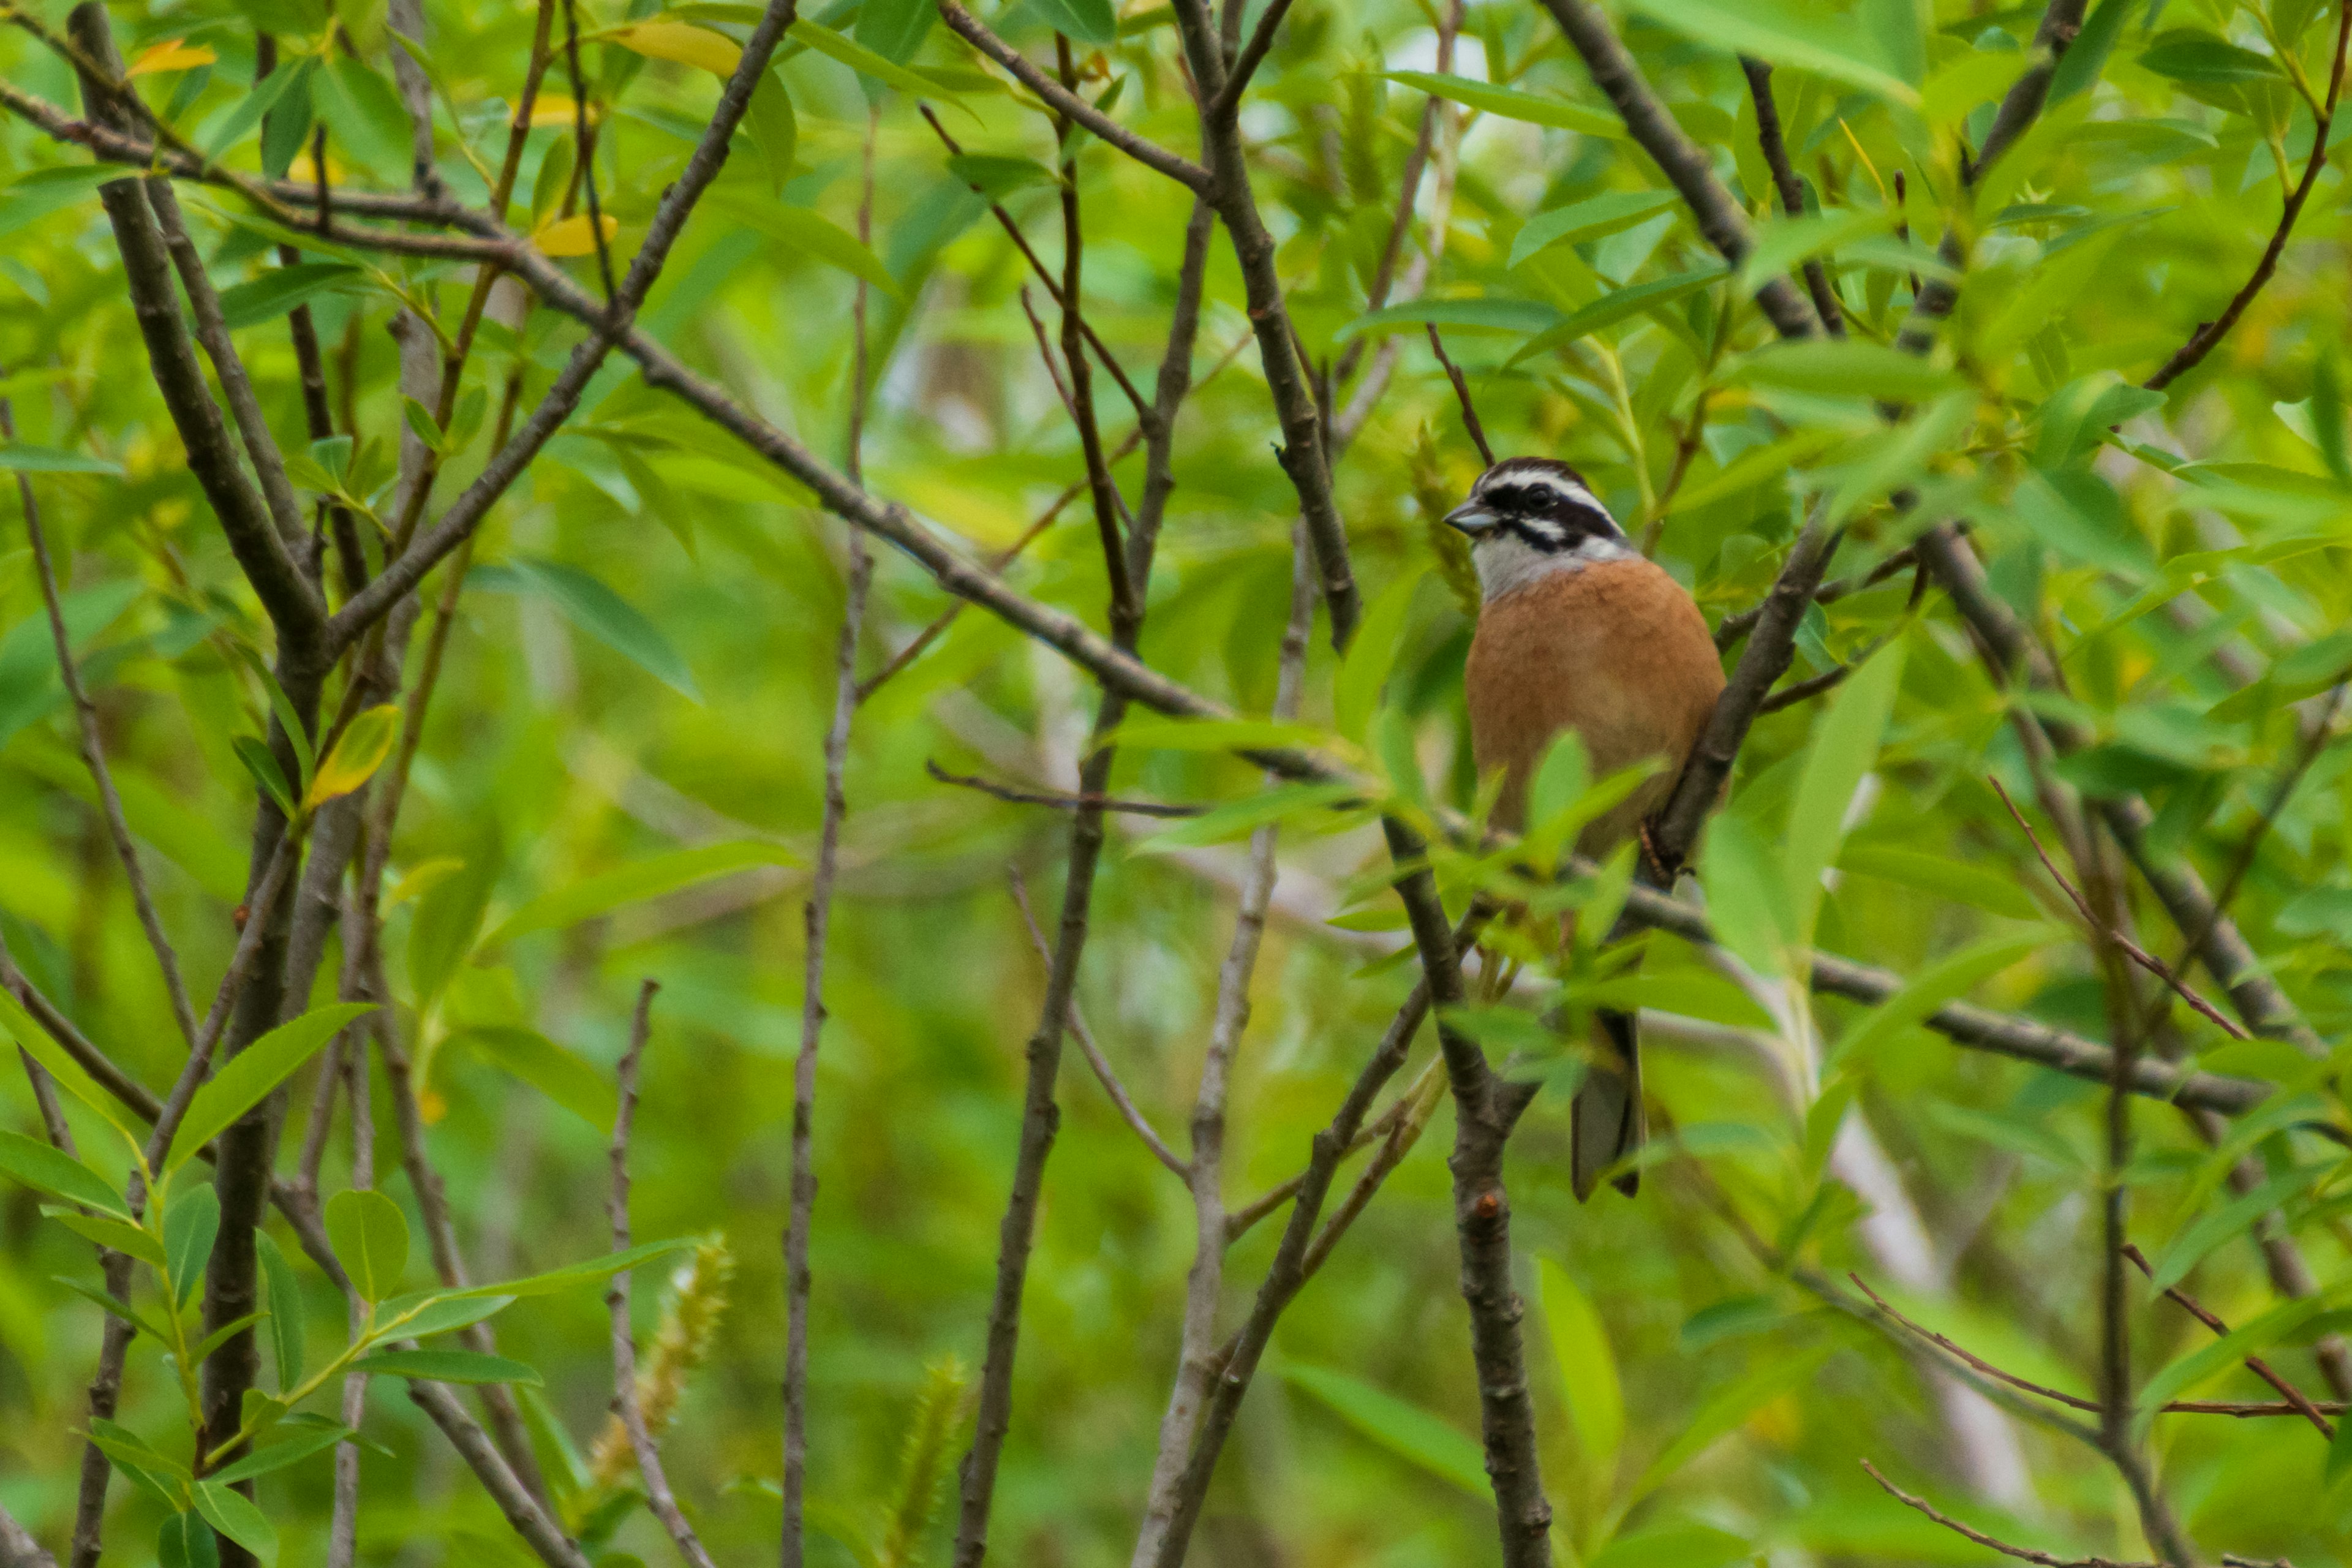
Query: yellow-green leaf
(366, 742)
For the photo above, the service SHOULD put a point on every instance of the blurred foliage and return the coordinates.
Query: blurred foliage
(621, 774)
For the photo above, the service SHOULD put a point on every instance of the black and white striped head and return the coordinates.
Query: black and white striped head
(1529, 516)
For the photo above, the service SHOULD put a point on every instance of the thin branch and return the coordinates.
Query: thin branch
(2200, 343)
(1245, 63)
(18, 1549)
(522, 1511)
(2254, 1363)
(1684, 164)
(93, 755)
(584, 145)
(1059, 800)
(2023, 1554)
(1462, 395)
(1104, 1072)
(1731, 628)
(1152, 155)
(351, 1048)
(616, 1298)
(1792, 193)
(2131, 949)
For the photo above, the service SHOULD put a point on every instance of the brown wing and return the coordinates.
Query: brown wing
(1616, 652)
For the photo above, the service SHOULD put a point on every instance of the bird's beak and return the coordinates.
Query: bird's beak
(1471, 518)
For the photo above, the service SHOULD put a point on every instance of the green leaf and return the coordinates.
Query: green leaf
(996, 177)
(1365, 669)
(1150, 733)
(119, 1235)
(365, 114)
(221, 1336)
(634, 883)
(369, 1236)
(260, 102)
(276, 292)
(867, 63)
(2233, 1219)
(593, 1271)
(1614, 307)
(895, 29)
(1510, 103)
(186, 1540)
(120, 1309)
(1846, 368)
(2339, 1453)
(40, 192)
(1846, 746)
(1955, 879)
(49, 1170)
(278, 1456)
(774, 128)
(36, 1043)
(1588, 219)
(262, 763)
(365, 741)
(2087, 56)
(2006, 1131)
(1240, 818)
(2190, 56)
(1743, 878)
(117, 1441)
(807, 230)
(245, 1079)
(190, 1226)
(563, 1077)
(298, 734)
(1085, 21)
(448, 917)
(1727, 1411)
(233, 1516)
(420, 423)
(1782, 242)
(1470, 315)
(24, 459)
(1787, 33)
(435, 1312)
(1405, 1430)
(1587, 1368)
(283, 1290)
(604, 615)
(447, 1366)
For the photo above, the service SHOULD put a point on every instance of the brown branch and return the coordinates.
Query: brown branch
(1105, 1074)
(2131, 949)
(2200, 343)
(1792, 195)
(1059, 800)
(1684, 164)
(658, 1495)
(18, 1548)
(2023, 1554)
(1462, 395)
(523, 1513)
(93, 755)
(1970, 1359)
(1731, 628)
(2254, 1363)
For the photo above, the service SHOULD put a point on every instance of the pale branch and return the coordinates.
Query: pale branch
(2200, 343)
(1105, 1074)
(1212, 1228)
(523, 1513)
(658, 1495)
(1686, 165)
(93, 755)
(18, 1548)
(816, 929)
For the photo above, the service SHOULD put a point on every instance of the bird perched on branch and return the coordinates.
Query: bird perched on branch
(1577, 631)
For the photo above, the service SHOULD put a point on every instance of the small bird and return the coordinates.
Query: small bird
(1579, 631)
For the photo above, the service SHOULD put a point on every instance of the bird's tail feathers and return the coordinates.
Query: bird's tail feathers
(1606, 1123)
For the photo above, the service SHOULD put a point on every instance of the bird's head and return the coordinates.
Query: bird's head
(1528, 516)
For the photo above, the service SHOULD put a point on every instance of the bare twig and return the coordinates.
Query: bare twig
(1792, 193)
(18, 1549)
(2200, 343)
(523, 1513)
(1105, 1074)
(2131, 949)
(2023, 1554)
(93, 755)
(2254, 1363)
(617, 1298)
(1059, 799)
(1732, 627)
(1462, 395)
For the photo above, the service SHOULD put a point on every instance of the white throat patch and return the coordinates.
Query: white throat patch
(1505, 563)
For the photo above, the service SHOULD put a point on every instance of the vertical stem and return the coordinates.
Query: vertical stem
(817, 918)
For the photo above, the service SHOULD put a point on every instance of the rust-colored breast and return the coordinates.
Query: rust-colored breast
(1616, 652)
